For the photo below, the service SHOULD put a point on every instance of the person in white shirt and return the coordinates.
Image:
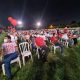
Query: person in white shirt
(65, 36)
(14, 37)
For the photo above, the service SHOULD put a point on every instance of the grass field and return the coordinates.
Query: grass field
(57, 67)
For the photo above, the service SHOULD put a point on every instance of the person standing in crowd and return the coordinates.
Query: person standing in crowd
(10, 52)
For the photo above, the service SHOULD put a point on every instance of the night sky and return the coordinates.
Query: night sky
(47, 11)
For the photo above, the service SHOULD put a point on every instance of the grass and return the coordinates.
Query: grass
(2, 37)
(57, 67)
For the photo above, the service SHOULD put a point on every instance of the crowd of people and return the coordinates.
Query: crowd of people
(37, 39)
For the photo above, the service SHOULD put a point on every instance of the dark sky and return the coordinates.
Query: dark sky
(48, 11)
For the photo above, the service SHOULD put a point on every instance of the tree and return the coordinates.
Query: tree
(79, 23)
(73, 24)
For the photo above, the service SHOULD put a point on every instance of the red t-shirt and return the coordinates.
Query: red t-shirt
(60, 35)
(40, 41)
(54, 39)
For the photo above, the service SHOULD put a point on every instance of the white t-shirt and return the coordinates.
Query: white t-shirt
(13, 38)
(65, 37)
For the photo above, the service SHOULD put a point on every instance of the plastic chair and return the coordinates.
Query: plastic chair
(37, 52)
(25, 51)
(66, 43)
(55, 47)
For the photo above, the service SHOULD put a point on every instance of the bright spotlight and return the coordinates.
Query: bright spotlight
(38, 23)
(20, 23)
